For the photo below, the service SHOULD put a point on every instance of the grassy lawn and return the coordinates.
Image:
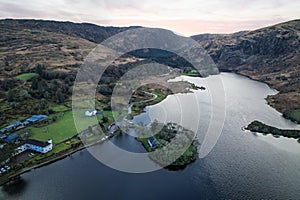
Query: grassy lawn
(193, 72)
(144, 141)
(59, 131)
(293, 115)
(59, 108)
(64, 126)
(296, 114)
(160, 97)
(25, 77)
(138, 108)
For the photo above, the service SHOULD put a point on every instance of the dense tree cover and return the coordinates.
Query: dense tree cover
(36, 94)
(53, 86)
(10, 96)
(6, 152)
(59, 96)
(163, 57)
(50, 75)
(8, 83)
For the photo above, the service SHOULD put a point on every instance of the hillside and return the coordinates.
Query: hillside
(57, 45)
(91, 32)
(271, 55)
(39, 61)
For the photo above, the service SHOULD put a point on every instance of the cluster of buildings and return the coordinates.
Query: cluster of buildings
(18, 124)
(30, 144)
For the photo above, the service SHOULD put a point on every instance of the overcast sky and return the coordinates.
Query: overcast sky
(186, 17)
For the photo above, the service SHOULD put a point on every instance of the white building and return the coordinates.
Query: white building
(35, 145)
(90, 113)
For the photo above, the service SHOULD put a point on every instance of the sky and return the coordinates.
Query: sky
(188, 17)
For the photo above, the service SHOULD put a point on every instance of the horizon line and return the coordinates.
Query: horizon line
(152, 21)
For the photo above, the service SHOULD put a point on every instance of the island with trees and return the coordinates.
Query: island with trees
(257, 126)
(173, 147)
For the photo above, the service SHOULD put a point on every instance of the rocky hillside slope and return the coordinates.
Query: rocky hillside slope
(57, 45)
(271, 55)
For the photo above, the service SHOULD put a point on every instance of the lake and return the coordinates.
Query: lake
(241, 164)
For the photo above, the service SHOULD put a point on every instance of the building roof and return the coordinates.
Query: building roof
(152, 140)
(36, 143)
(3, 130)
(26, 122)
(3, 136)
(11, 137)
(35, 118)
(15, 123)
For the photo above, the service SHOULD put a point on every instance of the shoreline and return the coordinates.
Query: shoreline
(7, 178)
(157, 96)
(268, 99)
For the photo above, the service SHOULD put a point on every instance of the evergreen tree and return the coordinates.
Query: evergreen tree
(43, 104)
(39, 69)
(104, 119)
(34, 83)
(23, 94)
(10, 96)
(59, 96)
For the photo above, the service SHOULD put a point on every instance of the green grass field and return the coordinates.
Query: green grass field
(25, 77)
(59, 108)
(64, 126)
(192, 73)
(296, 115)
(293, 115)
(61, 130)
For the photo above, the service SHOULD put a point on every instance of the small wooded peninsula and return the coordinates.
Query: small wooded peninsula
(171, 144)
(257, 126)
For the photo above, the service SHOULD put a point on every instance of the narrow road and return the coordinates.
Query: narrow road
(142, 101)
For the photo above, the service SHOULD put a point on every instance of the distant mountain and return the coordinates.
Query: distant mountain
(270, 54)
(57, 45)
(209, 36)
(91, 32)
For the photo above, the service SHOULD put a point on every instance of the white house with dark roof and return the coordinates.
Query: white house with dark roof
(35, 145)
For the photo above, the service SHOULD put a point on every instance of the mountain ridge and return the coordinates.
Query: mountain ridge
(269, 54)
(88, 31)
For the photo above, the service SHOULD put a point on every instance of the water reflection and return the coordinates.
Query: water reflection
(15, 188)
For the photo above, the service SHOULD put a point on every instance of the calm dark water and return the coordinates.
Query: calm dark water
(241, 165)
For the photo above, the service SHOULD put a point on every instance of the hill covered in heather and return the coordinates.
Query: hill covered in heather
(270, 55)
